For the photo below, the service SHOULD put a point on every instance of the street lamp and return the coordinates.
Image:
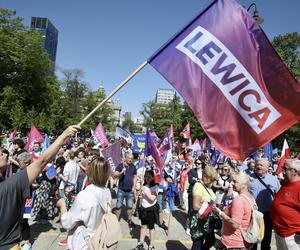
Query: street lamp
(256, 16)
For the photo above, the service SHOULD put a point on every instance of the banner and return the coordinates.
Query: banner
(227, 71)
(139, 141)
(113, 155)
(34, 135)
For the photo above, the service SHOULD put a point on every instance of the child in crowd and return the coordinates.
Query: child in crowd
(148, 213)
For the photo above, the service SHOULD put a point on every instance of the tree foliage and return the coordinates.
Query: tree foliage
(28, 92)
(159, 117)
(288, 47)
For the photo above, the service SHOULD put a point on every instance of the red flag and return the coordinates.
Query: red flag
(285, 153)
(186, 132)
(100, 136)
(34, 135)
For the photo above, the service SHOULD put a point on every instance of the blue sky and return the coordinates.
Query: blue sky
(108, 40)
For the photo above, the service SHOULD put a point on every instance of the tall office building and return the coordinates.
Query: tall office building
(164, 96)
(49, 34)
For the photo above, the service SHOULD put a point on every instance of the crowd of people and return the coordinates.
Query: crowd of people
(74, 181)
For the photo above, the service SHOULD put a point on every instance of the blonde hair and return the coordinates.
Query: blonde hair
(210, 172)
(99, 171)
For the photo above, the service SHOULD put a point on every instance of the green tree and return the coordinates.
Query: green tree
(129, 125)
(103, 115)
(159, 117)
(74, 89)
(28, 92)
(288, 47)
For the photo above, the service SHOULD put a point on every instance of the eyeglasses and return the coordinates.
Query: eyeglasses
(225, 169)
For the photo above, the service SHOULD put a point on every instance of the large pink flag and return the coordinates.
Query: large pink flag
(227, 71)
(99, 135)
(34, 135)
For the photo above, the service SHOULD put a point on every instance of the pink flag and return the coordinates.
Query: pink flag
(99, 135)
(164, 144)
(13, 135)
(285, 153)
(227, 71)
(186, 132)
(34, 135)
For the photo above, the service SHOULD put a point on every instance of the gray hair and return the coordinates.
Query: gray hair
(262, 160)
(243, 178)
(295, 164)
(24, 157)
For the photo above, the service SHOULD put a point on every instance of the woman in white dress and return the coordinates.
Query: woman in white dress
(86, 210)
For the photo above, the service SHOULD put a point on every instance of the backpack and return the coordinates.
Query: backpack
(256, 230)
(108, 233)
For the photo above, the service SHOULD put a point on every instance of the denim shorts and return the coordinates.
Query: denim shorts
(121, 195)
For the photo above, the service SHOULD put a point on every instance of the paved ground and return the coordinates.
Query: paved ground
(47, 236)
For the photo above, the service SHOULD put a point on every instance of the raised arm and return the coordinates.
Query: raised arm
(37, 166)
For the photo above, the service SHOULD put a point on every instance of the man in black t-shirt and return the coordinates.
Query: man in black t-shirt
(15, 189)
(126, 172)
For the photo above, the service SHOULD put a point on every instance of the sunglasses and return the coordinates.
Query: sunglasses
(225, 169)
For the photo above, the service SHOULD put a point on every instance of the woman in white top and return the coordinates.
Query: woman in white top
(86, 209)
(148, 213)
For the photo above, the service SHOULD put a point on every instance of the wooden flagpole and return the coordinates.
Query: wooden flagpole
(112, 93)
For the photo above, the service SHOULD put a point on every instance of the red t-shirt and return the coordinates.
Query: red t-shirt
(285, 210)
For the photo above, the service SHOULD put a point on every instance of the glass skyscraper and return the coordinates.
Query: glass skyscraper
(49, 34)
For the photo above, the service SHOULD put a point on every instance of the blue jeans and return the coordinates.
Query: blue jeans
(121, 195)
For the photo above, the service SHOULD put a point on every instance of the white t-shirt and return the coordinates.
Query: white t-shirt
(71, 169)
(145, 201)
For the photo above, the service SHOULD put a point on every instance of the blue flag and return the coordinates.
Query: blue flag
(268, 151)
(46, 143)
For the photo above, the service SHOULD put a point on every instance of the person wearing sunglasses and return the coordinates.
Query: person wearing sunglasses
(285, 210)
(222, 184)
